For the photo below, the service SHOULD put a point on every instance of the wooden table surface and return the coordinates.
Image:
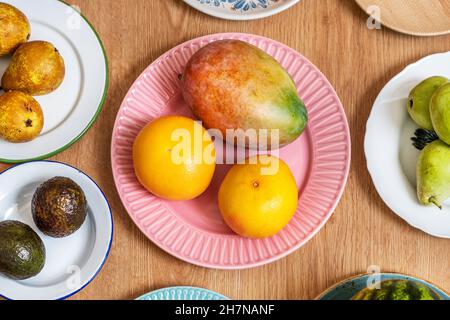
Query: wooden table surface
(362, 232)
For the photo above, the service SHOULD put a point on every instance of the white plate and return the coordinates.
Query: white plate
(241, 9)
(391, 158)
(71, 110)
(71, 262)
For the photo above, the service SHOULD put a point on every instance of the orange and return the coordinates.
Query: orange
(174, 158)
(258, 199)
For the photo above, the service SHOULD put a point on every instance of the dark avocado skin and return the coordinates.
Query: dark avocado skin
(22, 252)
(59, 207)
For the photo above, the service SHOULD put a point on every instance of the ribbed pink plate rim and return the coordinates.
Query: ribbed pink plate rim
(329, 171)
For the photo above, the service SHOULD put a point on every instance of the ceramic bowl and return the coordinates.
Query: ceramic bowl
(346, 289)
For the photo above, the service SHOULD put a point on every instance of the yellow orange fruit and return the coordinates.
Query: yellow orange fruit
(258, 199)
(174, 158)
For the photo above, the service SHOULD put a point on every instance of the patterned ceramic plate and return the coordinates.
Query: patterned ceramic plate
(182, 293)
(347, 289)
(241, 9)
(194, 230)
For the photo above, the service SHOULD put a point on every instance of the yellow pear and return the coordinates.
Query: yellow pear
(14, 29)
(36, 68)
(21, 117)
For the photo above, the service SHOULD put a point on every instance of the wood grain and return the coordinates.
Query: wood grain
(417, 17)
(362, 232)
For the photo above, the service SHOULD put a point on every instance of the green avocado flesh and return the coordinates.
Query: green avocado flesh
(397, 290)
(22, 252)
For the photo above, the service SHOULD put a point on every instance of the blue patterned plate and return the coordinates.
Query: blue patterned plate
(182, 293)
(241, 9)
(346, 289)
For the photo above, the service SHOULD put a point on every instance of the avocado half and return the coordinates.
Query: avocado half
(22, 252)
(59, 207)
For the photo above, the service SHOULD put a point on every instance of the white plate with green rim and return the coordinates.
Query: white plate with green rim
(73, 108)
(241, 9)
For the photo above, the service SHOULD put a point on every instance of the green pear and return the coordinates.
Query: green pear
(440, 112)
(419, 100)
(433, 174)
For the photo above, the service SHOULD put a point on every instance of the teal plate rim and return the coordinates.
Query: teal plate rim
(347, 288)
(197, 291)
(94, 118)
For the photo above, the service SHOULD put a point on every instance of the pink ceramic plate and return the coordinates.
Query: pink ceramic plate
(194, 230)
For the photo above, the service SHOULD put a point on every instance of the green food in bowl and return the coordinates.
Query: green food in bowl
(397, 290)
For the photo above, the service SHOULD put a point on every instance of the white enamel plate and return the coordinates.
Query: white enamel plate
(70, 110)
(391, 158)
(241, 9)
(71, 262)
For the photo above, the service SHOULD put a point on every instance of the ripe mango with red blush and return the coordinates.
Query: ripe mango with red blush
(231, 84)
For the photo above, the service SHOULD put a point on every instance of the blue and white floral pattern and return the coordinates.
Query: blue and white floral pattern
(240, 5)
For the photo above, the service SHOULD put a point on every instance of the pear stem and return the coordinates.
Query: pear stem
(434, 201)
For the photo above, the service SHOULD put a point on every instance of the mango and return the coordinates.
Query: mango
(231, 84)
(36, 68)
(14, 29)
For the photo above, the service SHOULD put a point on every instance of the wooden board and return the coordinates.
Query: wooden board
(415, 17)
(362, 231)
